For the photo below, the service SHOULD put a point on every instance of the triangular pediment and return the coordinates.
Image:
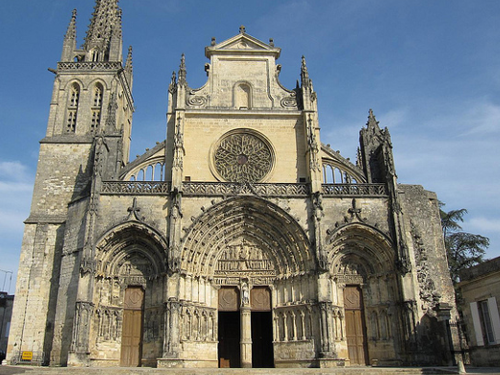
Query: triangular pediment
(242, 43)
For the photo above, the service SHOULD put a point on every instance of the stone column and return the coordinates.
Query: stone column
(246, 336)
(171, 334)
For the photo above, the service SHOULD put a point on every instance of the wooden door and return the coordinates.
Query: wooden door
(355, 325)
(132, 327)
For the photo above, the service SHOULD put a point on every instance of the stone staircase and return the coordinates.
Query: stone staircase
(31, 370)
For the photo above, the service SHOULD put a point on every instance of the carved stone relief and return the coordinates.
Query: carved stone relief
(244, 260)
(198, 324)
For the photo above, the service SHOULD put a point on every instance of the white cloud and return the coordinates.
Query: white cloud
(484, 224)
(13, 171)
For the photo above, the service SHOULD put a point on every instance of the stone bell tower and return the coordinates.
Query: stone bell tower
(87, 140)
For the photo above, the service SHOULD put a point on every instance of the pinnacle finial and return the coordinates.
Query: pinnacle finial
(182, 70)
(183, 62)
(372, 121)
(128, 62)
(304, 74)
(242, 29)
(71, 32)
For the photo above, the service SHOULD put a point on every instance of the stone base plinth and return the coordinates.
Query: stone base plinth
(185, 363)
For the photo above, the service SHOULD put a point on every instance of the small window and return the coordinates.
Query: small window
(96, 108)
(486, 325)
(71, 124)
(73, 100)
(96, 119)
(98, 95)
(187, 178)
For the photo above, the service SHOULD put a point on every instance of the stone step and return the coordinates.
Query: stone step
(31, 370)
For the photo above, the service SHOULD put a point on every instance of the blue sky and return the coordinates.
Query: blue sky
(430, 70)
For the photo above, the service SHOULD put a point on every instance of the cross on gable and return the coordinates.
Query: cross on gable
(134, 210)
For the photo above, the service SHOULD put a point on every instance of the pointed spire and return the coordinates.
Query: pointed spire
(372, 123)
(104, 32)
(182, 70)
(71, 32)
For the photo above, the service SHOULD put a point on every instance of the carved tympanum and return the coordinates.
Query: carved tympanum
(243, 157)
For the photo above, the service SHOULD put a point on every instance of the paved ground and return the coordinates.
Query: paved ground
(31, 370)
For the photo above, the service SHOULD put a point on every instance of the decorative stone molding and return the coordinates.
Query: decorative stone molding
(355, 189)
(234, 188)
(196, 101)
(136, 187)
(89, 65)
(289, 101)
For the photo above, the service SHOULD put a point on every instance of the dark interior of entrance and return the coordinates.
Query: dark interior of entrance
(229, 339)
(262, 339)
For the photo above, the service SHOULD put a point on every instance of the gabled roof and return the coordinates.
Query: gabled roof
(242, 44)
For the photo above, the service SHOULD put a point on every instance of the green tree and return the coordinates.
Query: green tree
(464, 250)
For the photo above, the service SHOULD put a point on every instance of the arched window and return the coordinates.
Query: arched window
(73, 100)
(242, 96)
(333, 174)
(96, 108)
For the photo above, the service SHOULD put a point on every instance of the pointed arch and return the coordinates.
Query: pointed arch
(262, 223)
(362, 245)
(132, 240)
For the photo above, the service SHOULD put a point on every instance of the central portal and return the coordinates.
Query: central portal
(245, 327)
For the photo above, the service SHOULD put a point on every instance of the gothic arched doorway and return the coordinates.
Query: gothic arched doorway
(128, 292)
(253, 245)
(362, 263)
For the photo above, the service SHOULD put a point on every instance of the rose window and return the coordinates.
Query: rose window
(243, 157)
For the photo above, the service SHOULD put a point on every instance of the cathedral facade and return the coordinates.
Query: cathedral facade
(239, 241)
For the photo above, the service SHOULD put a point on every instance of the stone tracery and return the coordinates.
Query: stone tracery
(243, 157)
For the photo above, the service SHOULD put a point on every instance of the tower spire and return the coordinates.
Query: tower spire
(104, 35)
